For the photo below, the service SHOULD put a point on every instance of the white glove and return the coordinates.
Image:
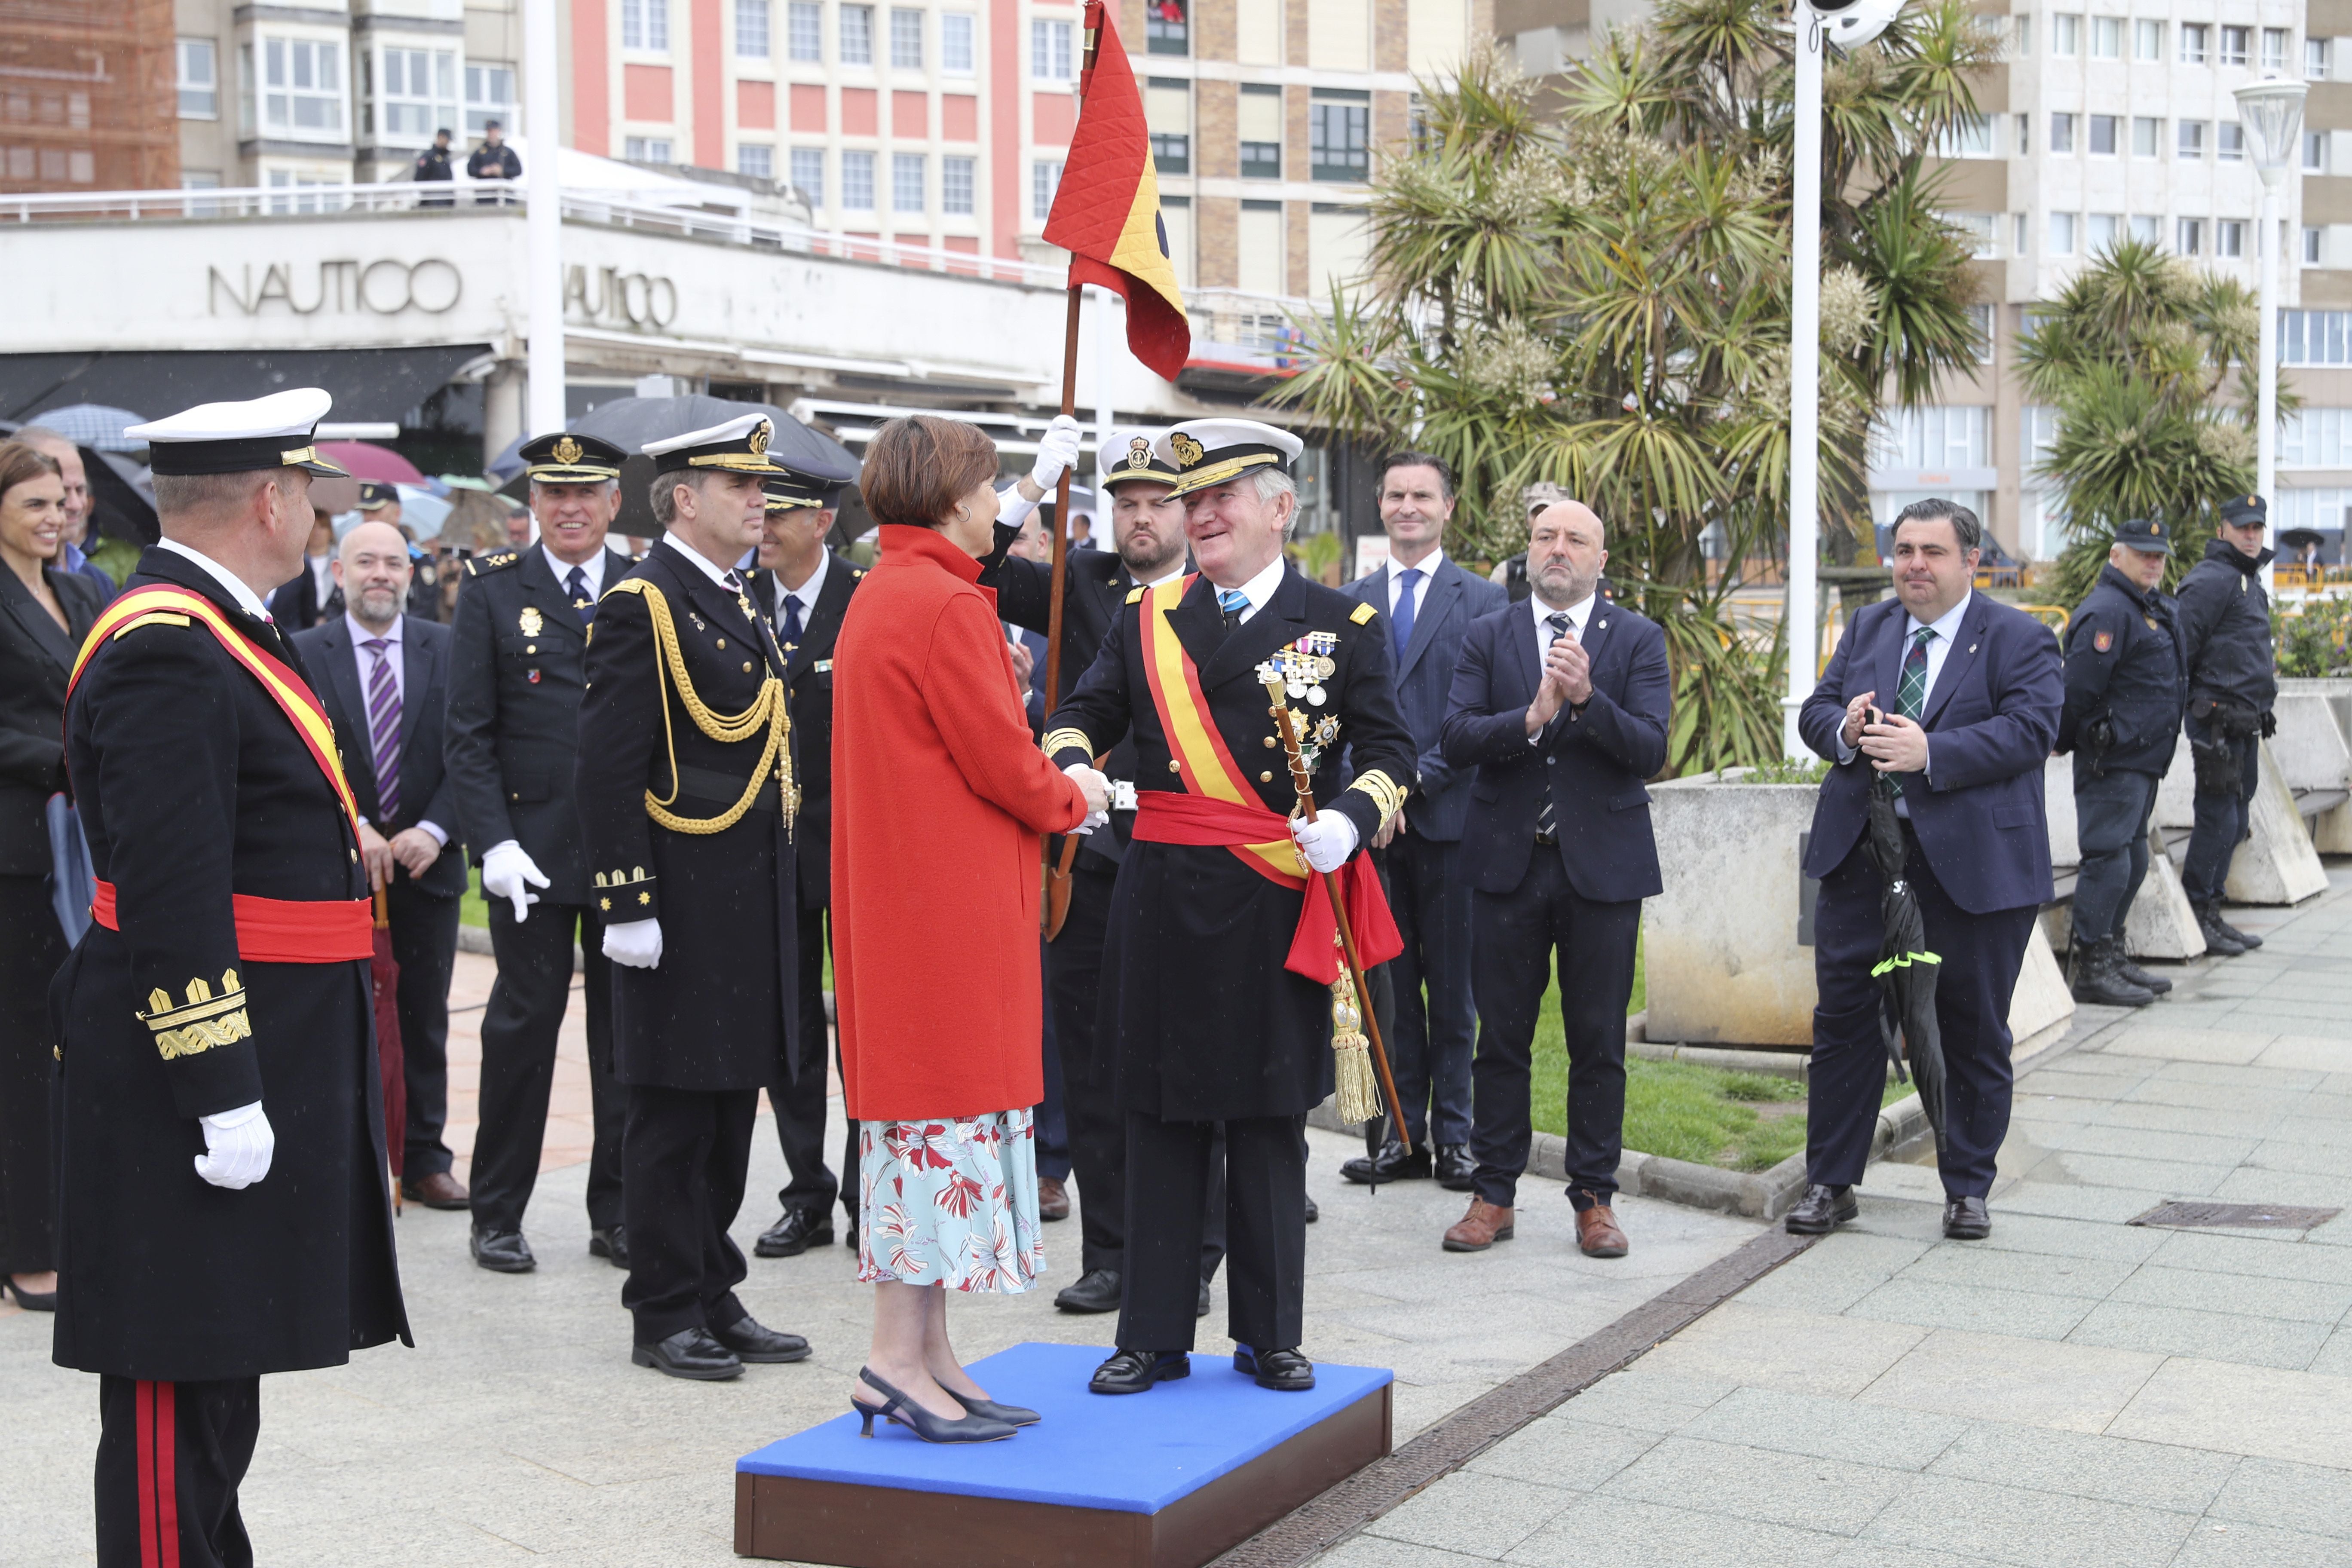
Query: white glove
(506, 866)
(1058, 452)
(238, 1146)
(1086, 775)
(637, 944)
(1326, 841)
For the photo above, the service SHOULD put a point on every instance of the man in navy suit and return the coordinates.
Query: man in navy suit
(383, 678)
(1430, 602)
(1954, 699)
(1562, 704)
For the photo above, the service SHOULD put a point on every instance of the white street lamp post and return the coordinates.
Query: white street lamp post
(543, 218)
(1804, 382)
(2272, 109)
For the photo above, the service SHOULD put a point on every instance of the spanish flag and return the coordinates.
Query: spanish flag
(1107, 211)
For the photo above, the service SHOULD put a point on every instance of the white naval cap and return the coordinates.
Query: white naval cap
(740, 446)
(272, 432)
(1128, 454)
(1206, 452)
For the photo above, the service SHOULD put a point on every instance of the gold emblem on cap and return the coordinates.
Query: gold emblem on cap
(567, 450)
(2156, 528)
(1188, 451)
(761, 434)
(1139, 453)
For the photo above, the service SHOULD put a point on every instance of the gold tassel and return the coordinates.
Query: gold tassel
(1358, 1095)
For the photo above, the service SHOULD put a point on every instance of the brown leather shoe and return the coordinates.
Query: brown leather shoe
(1479, 1229)
(1597, 1233)
(1052, 1198)
(438, 1191)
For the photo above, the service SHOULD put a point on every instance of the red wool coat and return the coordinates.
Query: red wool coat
(939, 799)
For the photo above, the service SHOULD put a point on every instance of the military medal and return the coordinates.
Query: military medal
(745, 601)
(530, 621)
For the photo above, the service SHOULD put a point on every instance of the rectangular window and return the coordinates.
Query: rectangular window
(2103, 135)
(418, 93)
(2024, 135)
(2190, 142)
(1339, 135)
(955, 185)
(2024, 35)
(1970, 136)
(2193, 46)
(2229, 238)
(2107, 38)
(2190, 237)
(1167, 30)
(1167, 116)
(1171, 153)
(2062, 234)
(2229, 142)
(1935, 435)
(907, 183)
(1981, 315)
(856, 42)
(2313, 248)
(1260, 160)
(751, 31)
(2314, 60)
(2066, 34)
(2062, 132)
(2018, 239)
(2105, 229)
(955, 44)
(199, 80)
(1044, 179)
(1258, 124)
(2274, 48)
(906, 40)
(302, 88)
(2147, 41)
(646, 149)
(2315, 152)
(2234, 42)
(645, 24)
(804, 30)
(759, 163)
(489, 95)
(2147, 228)
(2147, 131)
(857, 182)
(808, 175)
(1979, 228)
(1049, 52)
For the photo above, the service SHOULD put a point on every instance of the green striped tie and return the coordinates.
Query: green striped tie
(1913, 694)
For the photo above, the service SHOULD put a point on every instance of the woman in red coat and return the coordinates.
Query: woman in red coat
(940, 796)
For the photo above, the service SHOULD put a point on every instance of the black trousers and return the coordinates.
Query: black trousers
(32, 948)
(685, 1153)
(1516, 936)
(519, 1030)
(799, 1103)
(1052, 1113)
(170, 1456)
(2111, 825)
(1982, 955)
(2221, 821)
(1431, 1041)
(1170, 1166)
(425, 944)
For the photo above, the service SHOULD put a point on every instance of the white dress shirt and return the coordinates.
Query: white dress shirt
(1579, 613)
(1939, 648)
(322, 577)
(1427, 566)
(715, 573)
(395, 656)
(592, 570)
(1259, 589)
(806, 592)
(246, 599)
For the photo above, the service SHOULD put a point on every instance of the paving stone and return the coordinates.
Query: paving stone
(1558, 1452)
(2312, 1052)
(2298, 1416)
(2060, 1199)
(1367, 1549)
(1806, 1493)
(1803, 1353)
(2311, 1499)
(2261, 1255)
(1477, 1514)
(2082, 1463)
(2006, 1270)
(2190, 1118)
(2178, 1178)
(2089, 1239)
(2169, 1145)
(2217, 1543)
(1827, 1428)
(2014, 1524)
(2301, 1299)
(2334, 1357)
(1944, 1305)
(2233, 1047)
(1992, 1377)
(1620, 1533)
(2217, 1336)
(2250, 1186)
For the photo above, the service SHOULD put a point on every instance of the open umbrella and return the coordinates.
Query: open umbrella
(383, 976)
(93, 425)
(630, 422)
(1907, 970)
(366, 461)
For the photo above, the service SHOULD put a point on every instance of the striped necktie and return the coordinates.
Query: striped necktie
(1546, 825)
(384, 729)
(1912, 695)
(1232, 602)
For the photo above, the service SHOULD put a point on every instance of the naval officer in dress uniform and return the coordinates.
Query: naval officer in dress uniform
(1210, 1025)
(686, 797)
(223, 1188)
(518, 672)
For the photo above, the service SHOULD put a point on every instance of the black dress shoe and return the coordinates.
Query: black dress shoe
(503, 1251)
(1201, 1309)
(799, 1230)
(1284, 1371)
(1134, 1372)
(1095, 1291)
(1965, 1219)
(1455, 1167)
(751, 1341)
(989, 1410)
(1821, 1210)
(37, 1301)
(690, 1354)
(1313, 1214)
(611, 1242)
(1391, 1165)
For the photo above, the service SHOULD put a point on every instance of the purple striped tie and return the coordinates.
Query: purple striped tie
(384, 729)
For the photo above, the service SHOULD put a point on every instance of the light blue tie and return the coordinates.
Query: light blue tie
(1232, 601)
(1400, 624)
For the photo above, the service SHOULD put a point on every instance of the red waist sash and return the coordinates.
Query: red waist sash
(1165, 816)
(283, 930)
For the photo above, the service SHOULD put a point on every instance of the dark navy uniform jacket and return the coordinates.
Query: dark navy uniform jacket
(2225, 628)
(2123, 667)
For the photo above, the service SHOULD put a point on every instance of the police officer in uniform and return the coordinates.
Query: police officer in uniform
(1210, 1025)
(518, 672)
(2124, 692)
(224, 1203)
(803, 588)
(686, 797)
(2225, 636)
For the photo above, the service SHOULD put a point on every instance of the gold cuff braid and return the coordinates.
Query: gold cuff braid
(207, 1019)
(768, 709)
(1063, 739)
(1387, 795)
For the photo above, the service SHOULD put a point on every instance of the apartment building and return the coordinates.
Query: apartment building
(84, 96)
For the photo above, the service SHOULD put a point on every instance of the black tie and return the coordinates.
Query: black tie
(1545, 826)
(731, 582)
(577, 586)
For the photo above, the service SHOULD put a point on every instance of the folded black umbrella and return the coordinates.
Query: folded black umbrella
(630, 422)
(1907, 970)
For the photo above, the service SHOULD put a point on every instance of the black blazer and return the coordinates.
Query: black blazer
(294, 604)
(426, 794)
(35, 656)
(1593, 763)
(808, 673)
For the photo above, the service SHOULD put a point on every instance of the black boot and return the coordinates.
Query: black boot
(2096, 980)
(2138, 977)
(2219, 939)
(2244, 939)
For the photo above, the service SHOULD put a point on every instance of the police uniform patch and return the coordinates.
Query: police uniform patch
(1362, 615)
(1135, 596)
(2103, 641)
(498, 560)
(2151, 623)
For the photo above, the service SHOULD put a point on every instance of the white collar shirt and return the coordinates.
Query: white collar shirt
(1427, 566)
(1259, 590)
(1579, 615)
(591, 570)
(246, 599)
(1946, 626)
(395, 656)
(322, 577)
(688, 554)
(805, 595)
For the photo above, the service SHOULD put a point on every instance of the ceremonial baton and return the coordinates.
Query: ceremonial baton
(1284, 721)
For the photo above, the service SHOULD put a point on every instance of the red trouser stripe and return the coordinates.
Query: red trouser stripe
(143, 1401)
(167, 1473)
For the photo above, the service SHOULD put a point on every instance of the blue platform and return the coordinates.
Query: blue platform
(1135, 1454)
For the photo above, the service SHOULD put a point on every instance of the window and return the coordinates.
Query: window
(2274, 48)
(1044, 179)
(1171, 152)
(2229, 142)
(646, 149)
(1970, 136)
(1339, 134)
(489, 95)
(2316, 438)
(2017, 245)
(759, 163)
(2190, 142)
(2105, 229)
(2062, 132)
(2103, 135)
(857, 182)
(2024, 135)
(804, 30)
(2147, 131)
(1979, 228)
(856, 42)
(2315, 337)
(906, 40)
(907, 183)
(808, 175)
(1933, 436)
(2234, 41)
(2107, 38)
(1168, 115)
(2315, 152)
(2193, 37)
(2314, 60)
(2062, 234)
(955, 44)
(2024, 35)
(2147, 41)
(645, 24)
(302, 88)
(2066, 34)
(1981, 315)
(289, 180)
(2229, 238)
(1049, 52)
(418, 92)
(955, 185)
(751, 31)
(2188, 236)
(199, 80)
(2147, 228)
(1166, 30)
(1258, 123)
(2313, 250)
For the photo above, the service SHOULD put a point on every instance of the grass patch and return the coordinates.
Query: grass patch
(471, 910)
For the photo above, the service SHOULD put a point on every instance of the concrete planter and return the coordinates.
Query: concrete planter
(2161, 924)
(2277, 864)
(2315, 758)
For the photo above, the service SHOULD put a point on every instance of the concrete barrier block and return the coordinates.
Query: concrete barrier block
(2041, 1007)
(2058, 800)
(2161, 923)
(2310, 750)
(2336, 690)
(2277, 864)
(1720, 943)
(2176, 795)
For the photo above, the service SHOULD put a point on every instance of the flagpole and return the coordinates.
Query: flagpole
(1062, 485)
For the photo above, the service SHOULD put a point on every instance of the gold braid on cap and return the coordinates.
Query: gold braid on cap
(767, 711)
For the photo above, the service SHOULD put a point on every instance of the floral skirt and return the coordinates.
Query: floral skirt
(949, 1200)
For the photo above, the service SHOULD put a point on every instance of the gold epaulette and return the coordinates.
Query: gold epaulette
(1362, 615)
(769, 711)
(1135, 596)
(1386, 793)
(1058, 741)
(207, 1020)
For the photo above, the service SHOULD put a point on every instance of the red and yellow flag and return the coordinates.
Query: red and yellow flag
(1107, 211)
